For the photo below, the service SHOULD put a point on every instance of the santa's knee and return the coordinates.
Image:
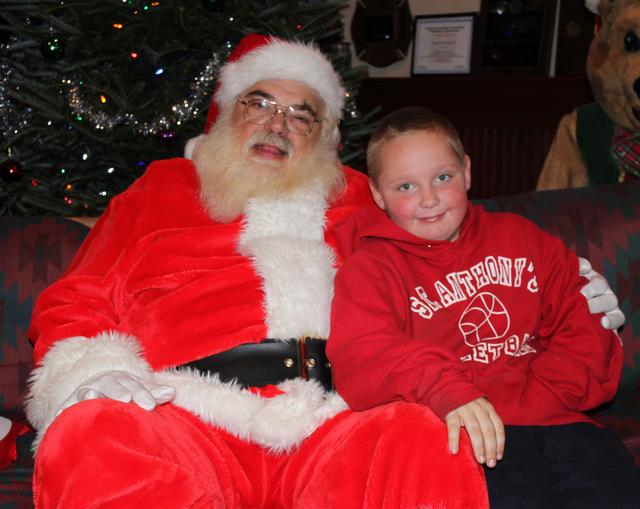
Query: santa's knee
(93, 425)
(117, 453)
(393, 456)
(411, 433)
(411, 463)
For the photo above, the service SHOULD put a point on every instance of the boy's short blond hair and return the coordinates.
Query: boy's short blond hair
(408, 121)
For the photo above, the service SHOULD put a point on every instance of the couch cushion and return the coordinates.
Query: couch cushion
(16, 480)
(35, 251)
(602, 224)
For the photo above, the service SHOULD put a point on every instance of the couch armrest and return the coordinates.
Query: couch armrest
(602, 224)
(34, 251)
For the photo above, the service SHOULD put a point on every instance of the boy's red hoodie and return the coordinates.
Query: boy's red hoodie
(496, 313)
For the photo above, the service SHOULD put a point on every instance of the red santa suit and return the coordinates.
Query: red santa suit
(159, 283)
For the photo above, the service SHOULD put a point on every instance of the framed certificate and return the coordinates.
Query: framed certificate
(443, 44)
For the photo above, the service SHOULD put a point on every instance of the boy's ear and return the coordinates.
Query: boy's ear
(467, 172)
(377, 197)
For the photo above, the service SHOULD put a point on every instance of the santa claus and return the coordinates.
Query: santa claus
(180, 360)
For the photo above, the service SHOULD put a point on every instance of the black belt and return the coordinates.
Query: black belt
(270, 362)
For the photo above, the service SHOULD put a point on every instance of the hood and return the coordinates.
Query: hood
(372, 224)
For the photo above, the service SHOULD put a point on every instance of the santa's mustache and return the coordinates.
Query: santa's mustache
(270, 138)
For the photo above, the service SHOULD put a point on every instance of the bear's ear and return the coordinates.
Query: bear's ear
(592, 5)
(604, 7)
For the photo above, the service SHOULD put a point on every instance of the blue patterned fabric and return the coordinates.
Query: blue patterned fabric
(602, 224)
(34, 251)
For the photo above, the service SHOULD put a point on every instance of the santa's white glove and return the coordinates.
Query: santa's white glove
(121, 386)
(600, 297)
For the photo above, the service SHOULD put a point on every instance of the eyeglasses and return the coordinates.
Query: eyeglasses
(260, 110)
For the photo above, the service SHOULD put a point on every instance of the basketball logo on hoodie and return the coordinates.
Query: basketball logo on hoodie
(485, 319)
(484, 324)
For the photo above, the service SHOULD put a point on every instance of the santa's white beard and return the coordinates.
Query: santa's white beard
(229, 175)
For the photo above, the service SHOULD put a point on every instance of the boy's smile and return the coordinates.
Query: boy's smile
(423, 184)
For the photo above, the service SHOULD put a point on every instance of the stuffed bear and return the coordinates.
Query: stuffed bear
(599, 143)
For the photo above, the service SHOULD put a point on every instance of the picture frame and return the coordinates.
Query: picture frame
(381, 31)
(514, 37)
(443, 44)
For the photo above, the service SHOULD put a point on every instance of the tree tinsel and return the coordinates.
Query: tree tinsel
(92, 91)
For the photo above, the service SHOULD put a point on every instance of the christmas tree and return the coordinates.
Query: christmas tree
(92, 91)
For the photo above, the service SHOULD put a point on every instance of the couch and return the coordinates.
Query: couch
(601, 223)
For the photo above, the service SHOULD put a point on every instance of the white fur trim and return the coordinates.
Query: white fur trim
(279, 423)
(191, 146)
(5, 427)
(592, 5)
(285, 240)
(286, 60)
(71, 362)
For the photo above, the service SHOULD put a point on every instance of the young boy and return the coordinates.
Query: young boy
(478, 316)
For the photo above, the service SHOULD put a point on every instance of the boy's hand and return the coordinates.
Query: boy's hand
(484, 427)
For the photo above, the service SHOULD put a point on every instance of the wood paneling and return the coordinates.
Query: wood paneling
(506, 123)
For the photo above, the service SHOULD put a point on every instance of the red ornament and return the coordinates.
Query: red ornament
(11, 171)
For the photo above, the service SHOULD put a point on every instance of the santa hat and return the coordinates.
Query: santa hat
(261, 57)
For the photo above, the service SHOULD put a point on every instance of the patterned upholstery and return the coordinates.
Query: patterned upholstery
(601, 223)
(33, 252)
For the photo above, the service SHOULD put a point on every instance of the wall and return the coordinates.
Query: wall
(418, 8)
(506, 123)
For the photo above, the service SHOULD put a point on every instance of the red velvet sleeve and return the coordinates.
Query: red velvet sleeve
(83, 302)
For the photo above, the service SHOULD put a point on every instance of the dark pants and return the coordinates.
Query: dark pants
(572, 466)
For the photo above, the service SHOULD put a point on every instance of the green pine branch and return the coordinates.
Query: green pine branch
(64, 158)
